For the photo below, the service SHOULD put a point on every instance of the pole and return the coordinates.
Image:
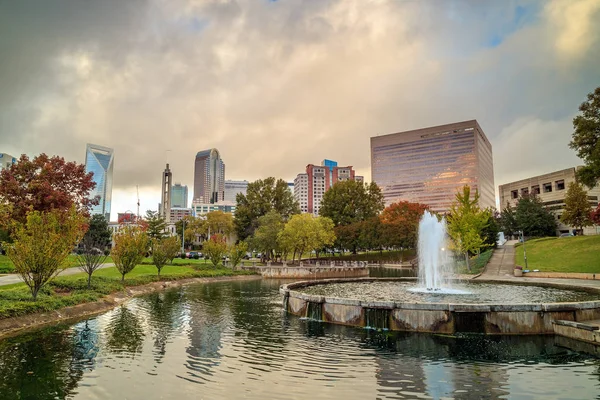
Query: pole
(183, 236)
(524, 251)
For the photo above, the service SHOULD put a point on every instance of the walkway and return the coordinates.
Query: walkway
(15, 278)
(502, 263)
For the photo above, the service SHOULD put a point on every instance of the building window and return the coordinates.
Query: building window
(514, 194)
(547, 187)
(535, 189)
(525, 192)
(560, 185)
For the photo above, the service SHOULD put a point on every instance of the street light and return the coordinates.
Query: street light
(524, 251)
(183, 236)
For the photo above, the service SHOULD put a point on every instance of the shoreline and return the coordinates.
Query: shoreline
(15, 325)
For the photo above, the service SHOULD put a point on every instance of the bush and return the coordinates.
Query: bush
(183, 256)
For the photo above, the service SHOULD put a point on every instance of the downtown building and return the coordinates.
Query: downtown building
(179, 195)
(309, 187)
(551, 189)
(209, 177)
(99, 161)
(233, 188)
(431, 165)
(6, 160)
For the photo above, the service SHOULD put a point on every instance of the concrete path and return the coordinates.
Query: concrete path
(502, 263)
(15, 278)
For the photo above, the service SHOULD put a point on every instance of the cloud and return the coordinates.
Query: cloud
(277, 85)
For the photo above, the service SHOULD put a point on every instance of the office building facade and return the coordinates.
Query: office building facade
(233, 188)
(209, 177)
(179, 195)
(99, 160)
(551, 189)
(309, 187)
(431, 165)
(200, 209)
(6, 160)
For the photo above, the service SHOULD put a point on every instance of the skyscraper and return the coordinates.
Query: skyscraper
(431, 165)
(179, 195)
(99, 161)
(165, 204)
(209, 177)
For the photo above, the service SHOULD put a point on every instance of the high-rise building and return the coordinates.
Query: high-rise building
(232, 188)
(178, 213)
(431, 165)
(165, 203)
(331, 165)
(6, 160)
(209, 177)
(179, 195)
(551, 189)
(99, 160)
(310, 187)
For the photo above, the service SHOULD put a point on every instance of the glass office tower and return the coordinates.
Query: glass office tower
(99, 161)
(431, 165)
(209, 177)
(179, 195)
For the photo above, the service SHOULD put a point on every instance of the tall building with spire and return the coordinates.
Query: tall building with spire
(209, 177)
(165, 203)
(99, 160)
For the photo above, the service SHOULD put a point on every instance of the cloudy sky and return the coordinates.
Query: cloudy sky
(275, 85)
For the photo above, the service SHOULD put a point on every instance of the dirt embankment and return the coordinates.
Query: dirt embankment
(14, 325)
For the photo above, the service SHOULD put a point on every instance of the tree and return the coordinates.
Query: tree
(237, 252)
(131, 244)
(508, 220)
(219, 222)
(159, 253)
(98, 233)
(372, 234)
(91, 256)
(44, 184)
(492, 228)
(401, 223)
(586, 139)
(41, 245)
(215, 248)
(261, 197)
(577, 210)
(194, 228)
(348, 237)
(172, 247)
(351, 201)
(265, 237)
(466, 223)
(305, 232)
(156, 225)
(595, 215)
(533, 219)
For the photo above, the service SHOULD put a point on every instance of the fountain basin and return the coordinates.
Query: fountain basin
(494, 318)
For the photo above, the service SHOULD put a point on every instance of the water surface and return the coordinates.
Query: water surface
(230, 340)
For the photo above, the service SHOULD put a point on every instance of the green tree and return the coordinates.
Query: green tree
(466, 223)
(159, 253)
(94, 246)
(533, 218)
(261, 197)
(265, 237)
(304, 233)
(348, 237)
(219, 222)
(41, 245)
(98, 232)
(508, 220)
(372, 234)
(492, 228)
(350, 201)
(172, 247)
(237, 252)
(586, 139)
(577, 210)
(157, 225)
(131, 244)
(215, 248)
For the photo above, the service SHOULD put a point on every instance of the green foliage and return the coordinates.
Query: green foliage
(466, 223)
(156, 225)
(348, 237)
(533, 218)
(304, 232)
(41, 245)
(98, 233)
(577, 210)
(90, 257)
(159, 253)
(215, 248)
(219, 222)
(491, 229)
(508, 221)
(130, 247)
(350, 201)
(172, 247)
(586, 139)
(237, 253)
(265, 239)
(263, 196)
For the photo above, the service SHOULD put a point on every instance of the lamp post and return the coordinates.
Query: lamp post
(183, 236)
(524, 251)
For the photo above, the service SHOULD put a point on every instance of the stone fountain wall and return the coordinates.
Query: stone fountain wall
(492, 319)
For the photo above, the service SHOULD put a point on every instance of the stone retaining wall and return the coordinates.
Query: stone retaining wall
(493, 319)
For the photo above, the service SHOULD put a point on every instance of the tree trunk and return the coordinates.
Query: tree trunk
(34, 292)
(467, 260)
(122, 277)
(89, 281)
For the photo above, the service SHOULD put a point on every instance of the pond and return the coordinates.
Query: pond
(230, 340)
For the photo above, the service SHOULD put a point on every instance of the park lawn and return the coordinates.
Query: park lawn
(70, 290)
(7, 266)
(566, 254)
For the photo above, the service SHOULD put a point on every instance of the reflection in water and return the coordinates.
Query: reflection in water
(232, 340)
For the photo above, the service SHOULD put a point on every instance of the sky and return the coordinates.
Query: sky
(276, 85)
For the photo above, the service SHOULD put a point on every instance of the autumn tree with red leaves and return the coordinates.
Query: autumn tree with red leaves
(401, 223)
(595, 215)
(44, 184)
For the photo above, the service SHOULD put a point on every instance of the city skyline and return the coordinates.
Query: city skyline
(274, 85)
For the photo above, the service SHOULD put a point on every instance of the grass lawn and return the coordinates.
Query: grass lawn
(566, 254)
(7, 267)
(71, 290)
